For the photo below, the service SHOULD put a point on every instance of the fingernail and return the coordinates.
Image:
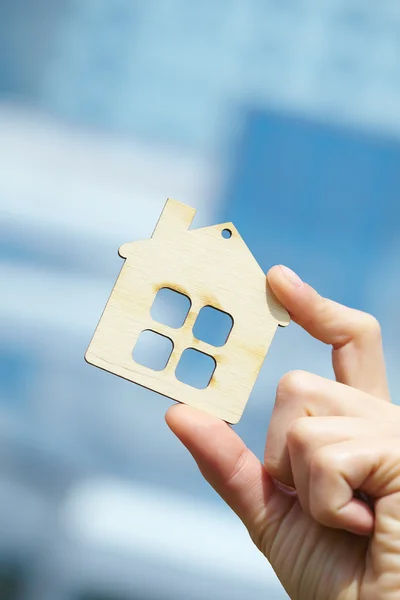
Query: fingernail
(291, 276)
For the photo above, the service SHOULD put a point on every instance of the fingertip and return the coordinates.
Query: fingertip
(179, 418)
(178, 413)
(273, 273)
(299, 298)
(276, 282)
(173, 414)
(191, 425)
(212, 443)
(282, 277)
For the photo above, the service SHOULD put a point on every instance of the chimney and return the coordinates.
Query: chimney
(175, 217)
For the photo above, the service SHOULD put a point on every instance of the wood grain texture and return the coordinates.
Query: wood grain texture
(211, 271)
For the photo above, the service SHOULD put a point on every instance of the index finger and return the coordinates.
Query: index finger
(355, 336)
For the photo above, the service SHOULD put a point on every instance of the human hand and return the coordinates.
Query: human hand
(302, 507)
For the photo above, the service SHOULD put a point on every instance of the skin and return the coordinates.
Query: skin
(324, 508)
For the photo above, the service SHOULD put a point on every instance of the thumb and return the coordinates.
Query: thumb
(228, 465)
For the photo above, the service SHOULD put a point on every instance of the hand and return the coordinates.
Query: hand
(303, 507)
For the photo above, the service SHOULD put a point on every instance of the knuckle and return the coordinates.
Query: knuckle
(320, 463)
(368, 324)
(299, 433)
(294, 383)
(239, 467)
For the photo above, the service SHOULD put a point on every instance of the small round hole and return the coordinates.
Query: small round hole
(227, 234)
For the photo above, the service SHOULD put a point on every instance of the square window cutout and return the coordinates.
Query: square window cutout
(170, 308)
(153, 350)
(196, 369)
(213, 326)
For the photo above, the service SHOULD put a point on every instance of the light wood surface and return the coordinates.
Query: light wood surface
(211, 271)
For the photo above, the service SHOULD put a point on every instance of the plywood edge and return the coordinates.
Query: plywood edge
(276, 308)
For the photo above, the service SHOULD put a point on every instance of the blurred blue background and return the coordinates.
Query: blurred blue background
(282, 116)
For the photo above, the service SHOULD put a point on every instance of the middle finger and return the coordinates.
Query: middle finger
(302, 394)
(307, 435)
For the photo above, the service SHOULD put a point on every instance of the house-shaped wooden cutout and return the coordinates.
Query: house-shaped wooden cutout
(213, 267)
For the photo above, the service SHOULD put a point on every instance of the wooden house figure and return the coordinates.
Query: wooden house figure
(214, 268)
